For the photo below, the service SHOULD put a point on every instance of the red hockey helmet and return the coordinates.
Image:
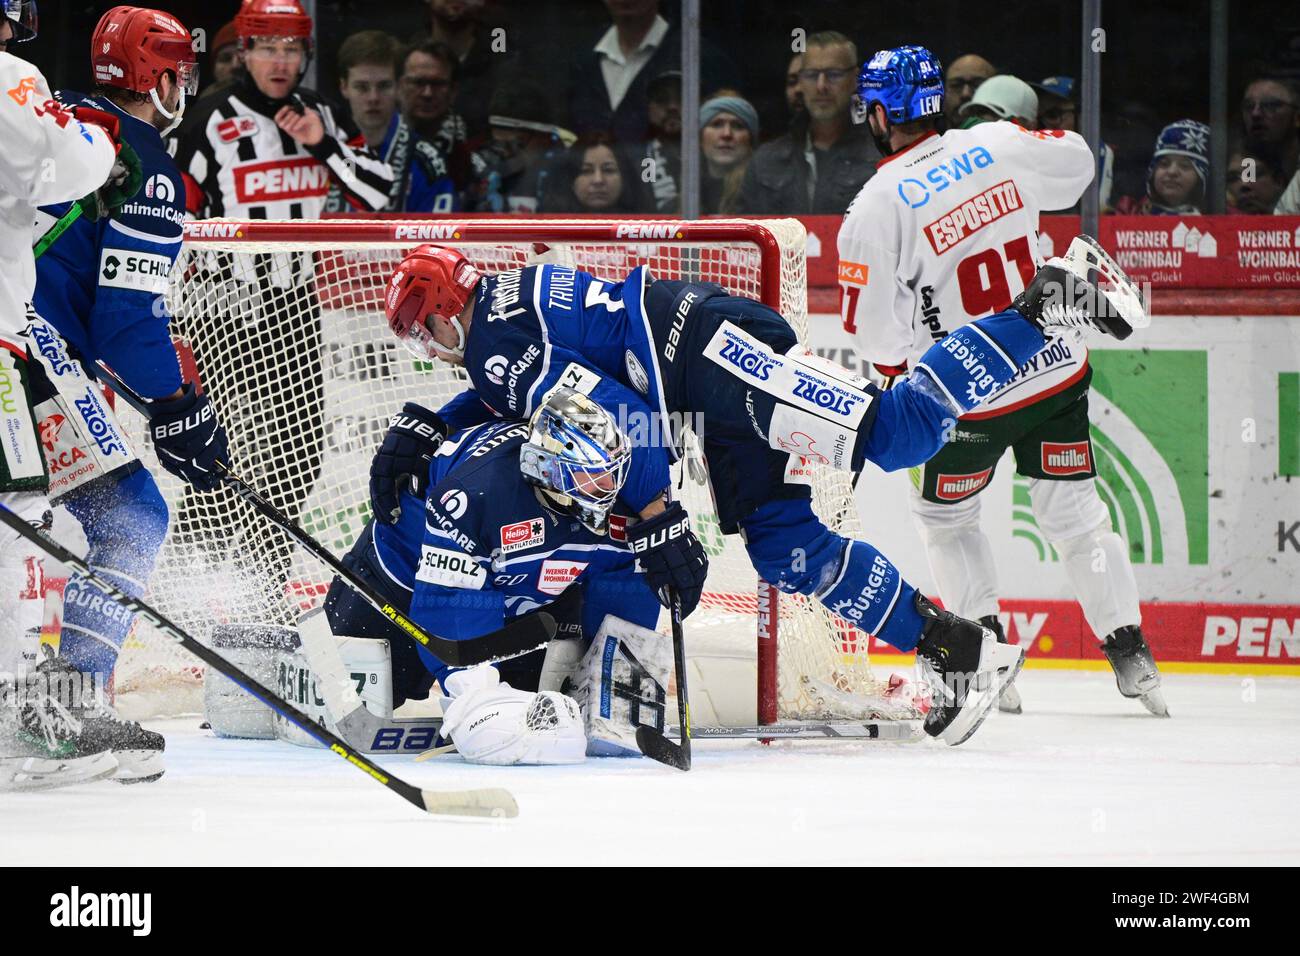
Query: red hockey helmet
(430, 281)
(133, 46)
(272, 18)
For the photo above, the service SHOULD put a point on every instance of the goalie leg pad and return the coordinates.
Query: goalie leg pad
(492, 723)
(623, 686)
(256, 649)
(976, 360)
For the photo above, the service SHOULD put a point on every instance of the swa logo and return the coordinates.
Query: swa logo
(747, 360)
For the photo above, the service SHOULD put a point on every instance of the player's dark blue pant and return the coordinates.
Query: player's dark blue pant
(905, 426)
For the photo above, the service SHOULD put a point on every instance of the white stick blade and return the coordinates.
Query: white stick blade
(491, 802)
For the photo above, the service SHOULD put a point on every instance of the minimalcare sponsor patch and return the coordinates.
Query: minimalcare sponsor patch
(452, 569)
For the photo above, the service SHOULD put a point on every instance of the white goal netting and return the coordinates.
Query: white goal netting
(285, 324)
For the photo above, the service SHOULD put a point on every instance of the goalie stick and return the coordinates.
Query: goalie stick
(522, 635)
(652, 743)
(490, 802)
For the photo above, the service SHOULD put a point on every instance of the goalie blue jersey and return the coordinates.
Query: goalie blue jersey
(101, 284)
(482, 548)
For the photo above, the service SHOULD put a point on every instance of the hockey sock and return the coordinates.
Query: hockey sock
(978, 359)
(870, 593)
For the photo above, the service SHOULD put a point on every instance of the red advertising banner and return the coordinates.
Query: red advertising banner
(1227, 638)
(1184, 252)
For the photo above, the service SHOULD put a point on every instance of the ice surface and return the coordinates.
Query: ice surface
(1084, 777)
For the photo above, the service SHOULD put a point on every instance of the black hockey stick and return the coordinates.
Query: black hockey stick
(492, 802)
(652, 743)
(520, 636)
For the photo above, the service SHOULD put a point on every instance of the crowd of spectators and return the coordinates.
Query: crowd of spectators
(470, 125)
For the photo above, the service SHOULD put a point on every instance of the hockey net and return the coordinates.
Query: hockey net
(285, 322)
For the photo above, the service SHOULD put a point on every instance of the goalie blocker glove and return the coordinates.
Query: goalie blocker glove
(188, 438)
(671, 556)
(402, 462)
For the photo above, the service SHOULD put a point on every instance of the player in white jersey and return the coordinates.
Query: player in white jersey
(38, 734)
(946, 232)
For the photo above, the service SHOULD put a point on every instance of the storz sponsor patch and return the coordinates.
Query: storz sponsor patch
(522, 534)
(957, 487)
(1067, 458)
(125, 269)
(972, 215)
(452, 569)
(555, 576)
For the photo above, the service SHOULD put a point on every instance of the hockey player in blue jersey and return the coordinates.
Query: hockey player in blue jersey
(99, 297)
(518, 516)
(693, 349)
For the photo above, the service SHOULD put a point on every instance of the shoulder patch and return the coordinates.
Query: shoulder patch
(452, 569)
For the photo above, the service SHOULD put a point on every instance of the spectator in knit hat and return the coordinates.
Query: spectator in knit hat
(1176, 177)
(728, 132)
(1002, 97)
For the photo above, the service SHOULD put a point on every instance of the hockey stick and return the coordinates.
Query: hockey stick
(522, 635)
(492, 802)
(652, 743)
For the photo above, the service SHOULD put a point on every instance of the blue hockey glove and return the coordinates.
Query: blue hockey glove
(670, 555)
(402, 461)
(188, 438)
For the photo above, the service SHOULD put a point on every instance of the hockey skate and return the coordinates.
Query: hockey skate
(966, 668)
(1135, 669)
(1009, 700)
(41, 745)
(138, 752)
(1085, 288)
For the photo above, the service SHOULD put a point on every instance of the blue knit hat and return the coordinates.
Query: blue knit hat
(1184, 138)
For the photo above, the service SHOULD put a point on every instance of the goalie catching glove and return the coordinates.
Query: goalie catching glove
(402, 461)
(188, 438)
(671, 556)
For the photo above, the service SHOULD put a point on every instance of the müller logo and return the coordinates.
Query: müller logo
(74, 909)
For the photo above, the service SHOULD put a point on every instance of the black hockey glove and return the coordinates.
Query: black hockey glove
(670, 555)
(402, 462)
(189, 439)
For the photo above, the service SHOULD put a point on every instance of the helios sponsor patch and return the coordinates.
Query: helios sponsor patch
(555, 576)
(957, 487)
(1067, 458)
(522, 534)
(452, 569)
(127, 269)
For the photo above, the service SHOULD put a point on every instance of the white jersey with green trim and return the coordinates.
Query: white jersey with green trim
(946, 232)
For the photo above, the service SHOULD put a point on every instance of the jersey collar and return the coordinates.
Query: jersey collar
(908, 148)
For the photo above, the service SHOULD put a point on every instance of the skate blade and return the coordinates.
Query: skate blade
(1009, 700)
(1005, 661)
(1154, 702)
(138, 766)
(52, 774)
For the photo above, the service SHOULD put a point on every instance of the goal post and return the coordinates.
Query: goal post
(284, 325)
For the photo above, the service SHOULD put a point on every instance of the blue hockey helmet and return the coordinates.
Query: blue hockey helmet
(578, 456)
(907, 81)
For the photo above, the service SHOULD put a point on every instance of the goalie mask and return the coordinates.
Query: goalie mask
(577, 457)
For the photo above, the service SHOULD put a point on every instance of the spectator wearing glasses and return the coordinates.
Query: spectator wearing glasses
(1271, 122)
(1254, 187)
(1176, 177)
(1002, 97)
(964, 76)
(1057, 109)
(367, 66)
(728, 132)
(425, 93)
(821, 163)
